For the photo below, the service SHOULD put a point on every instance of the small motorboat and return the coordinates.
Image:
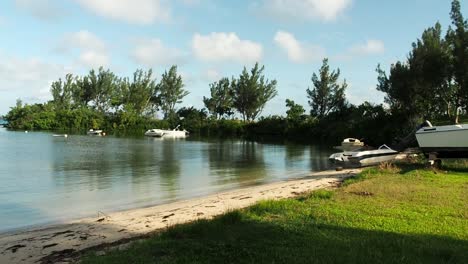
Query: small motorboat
(93, 132)
(60, 135)
(175, 133)
(340, 158)
(443, 141)
(372, 157)
(364, 158)
(350, 144)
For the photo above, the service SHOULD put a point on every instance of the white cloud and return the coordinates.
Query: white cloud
(325, 10)
(358, 96)
(93, 59)
(152, 52)
(371, 46)
(93, 52)
(143, 12)
(298, 52)
(211, 75)
(42, 9)
(220, 46)
(28, 79)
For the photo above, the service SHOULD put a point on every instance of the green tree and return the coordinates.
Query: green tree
(138, 93)
(327, 95)
(458, 44)
(171, 92)
(429, 62)
(62, 92)
(252, 91)
(97, 89)
(221, 102)
(295, 111)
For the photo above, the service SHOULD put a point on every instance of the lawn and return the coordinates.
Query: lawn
(392, 214)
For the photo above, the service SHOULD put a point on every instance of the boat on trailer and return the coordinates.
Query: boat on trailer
(443, 141)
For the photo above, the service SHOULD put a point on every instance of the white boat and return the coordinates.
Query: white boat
(175, 133)
(340, 158)
(364, 158)
(93, 132)
(372, 157)
(351, 144)
(444, 141)
(60, 135)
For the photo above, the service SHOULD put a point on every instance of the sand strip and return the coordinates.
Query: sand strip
(59, 242)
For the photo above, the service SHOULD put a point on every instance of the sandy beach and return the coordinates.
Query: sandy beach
(62, 243)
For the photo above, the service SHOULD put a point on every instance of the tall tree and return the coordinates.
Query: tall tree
(398, 87)
(458, 43)
(171, 91)
(327, 95)
(252, 91)
(221, 102)
(137, 94)
(62, 92)
(97, 89)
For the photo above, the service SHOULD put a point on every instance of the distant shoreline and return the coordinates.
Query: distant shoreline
(64, 240)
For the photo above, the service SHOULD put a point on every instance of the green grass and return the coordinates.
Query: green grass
(392, 214)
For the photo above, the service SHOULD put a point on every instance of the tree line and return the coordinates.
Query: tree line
(432, 83)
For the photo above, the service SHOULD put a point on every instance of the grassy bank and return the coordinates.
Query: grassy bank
(393, 214)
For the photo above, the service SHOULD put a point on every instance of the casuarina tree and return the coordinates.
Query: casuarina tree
(327, 94)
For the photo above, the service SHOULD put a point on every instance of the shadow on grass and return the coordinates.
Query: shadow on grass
(233, 239)
(460, 166)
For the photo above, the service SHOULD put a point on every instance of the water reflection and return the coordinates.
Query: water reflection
(81, 175)
(239, 161)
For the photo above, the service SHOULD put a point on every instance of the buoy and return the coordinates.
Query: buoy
(104, 133)
(26, 131)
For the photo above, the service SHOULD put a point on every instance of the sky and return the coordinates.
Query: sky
(42, 40)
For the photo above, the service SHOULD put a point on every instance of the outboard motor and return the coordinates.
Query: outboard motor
(411, 138)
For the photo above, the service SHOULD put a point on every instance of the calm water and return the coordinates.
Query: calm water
(48, 180)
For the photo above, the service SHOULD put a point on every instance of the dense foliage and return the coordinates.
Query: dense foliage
(432, 83)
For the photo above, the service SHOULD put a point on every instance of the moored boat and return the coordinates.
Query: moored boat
(444, 141)
(93, 132)
(60, 135)
(175, 133)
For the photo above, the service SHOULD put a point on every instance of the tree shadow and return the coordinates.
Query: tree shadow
(232, 238)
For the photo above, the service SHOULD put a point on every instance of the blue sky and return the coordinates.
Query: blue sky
(42, 40)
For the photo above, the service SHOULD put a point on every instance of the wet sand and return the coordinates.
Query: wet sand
(62, 243)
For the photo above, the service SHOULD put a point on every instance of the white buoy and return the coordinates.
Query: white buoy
(26, 131)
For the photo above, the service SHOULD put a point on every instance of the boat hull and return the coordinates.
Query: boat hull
(371, 160)
(444, 141)
(166, 133)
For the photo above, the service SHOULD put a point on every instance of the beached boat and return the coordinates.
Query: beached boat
(93, 132)
(444, 141)
(350, 144)
(175, 133)
(365, 157)
(372, 157)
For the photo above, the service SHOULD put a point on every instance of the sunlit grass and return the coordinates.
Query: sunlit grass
(392, 214)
